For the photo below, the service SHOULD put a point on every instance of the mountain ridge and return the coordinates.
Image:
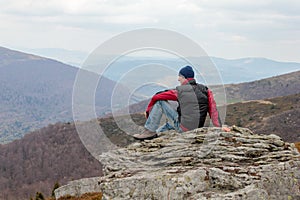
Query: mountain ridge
(276, 86)
(75, 56)
(37, 91)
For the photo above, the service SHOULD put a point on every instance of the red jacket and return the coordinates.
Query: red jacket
(172, 95)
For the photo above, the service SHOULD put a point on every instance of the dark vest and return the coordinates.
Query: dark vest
(193, 105)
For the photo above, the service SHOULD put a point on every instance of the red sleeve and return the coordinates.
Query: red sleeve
(212, 109)
(166, 95)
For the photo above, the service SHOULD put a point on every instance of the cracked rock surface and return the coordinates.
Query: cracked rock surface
(205, 163)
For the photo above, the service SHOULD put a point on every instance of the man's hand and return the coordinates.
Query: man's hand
(226, 129)
(146, 114)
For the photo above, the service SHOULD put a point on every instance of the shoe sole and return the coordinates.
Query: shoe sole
(148, 138)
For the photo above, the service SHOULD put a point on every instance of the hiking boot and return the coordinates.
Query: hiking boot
(146, 135)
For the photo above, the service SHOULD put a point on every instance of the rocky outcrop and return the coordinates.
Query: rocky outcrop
(78, 187)
(204, 163)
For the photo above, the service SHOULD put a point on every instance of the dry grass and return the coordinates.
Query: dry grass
(297, 145)
(278, 116)
(87, 196)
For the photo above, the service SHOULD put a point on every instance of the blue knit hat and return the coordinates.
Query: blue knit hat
(187, 72)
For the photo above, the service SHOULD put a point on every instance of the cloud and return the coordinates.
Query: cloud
(201, 13)
(211, 22)
(116, 12)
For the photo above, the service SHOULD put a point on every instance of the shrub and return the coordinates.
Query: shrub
(56, 185)
(87, 196)
(39, 196)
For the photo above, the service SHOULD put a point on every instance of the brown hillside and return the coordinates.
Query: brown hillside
(49, 155)
(277, 86)
(278, 116)
(40, 159)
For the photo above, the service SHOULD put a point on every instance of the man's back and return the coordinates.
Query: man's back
(193, 105)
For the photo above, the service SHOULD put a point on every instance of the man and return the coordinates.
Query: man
(195, 101)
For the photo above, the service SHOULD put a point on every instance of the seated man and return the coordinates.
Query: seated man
(195, 101)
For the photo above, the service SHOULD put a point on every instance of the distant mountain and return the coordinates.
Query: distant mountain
(37, 91)
(276, 86)
(251, 69)
(162, 72)
(231, 70)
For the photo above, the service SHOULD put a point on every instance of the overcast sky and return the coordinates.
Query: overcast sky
(223, 28)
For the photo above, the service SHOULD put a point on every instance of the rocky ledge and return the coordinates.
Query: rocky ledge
(205, 163)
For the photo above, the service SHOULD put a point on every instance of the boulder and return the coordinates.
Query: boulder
(205, 163)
